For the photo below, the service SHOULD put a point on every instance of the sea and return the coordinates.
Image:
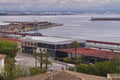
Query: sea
(76, 26)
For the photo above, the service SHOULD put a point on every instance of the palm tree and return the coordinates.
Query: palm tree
(40, 59)
(35, 56)
(46, 60)
(75, 45)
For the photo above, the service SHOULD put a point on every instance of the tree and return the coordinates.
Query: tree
(46, 60)
(100, 68)
(8, 48)
(116, 61)
(78, 60)
(35, 56)
(8, 69)
(10, 73)
(75, 45)
(42, 56)
(103, 68)
(67, 60)
(40, 59)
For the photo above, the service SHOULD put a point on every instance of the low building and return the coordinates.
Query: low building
(88, 55)
(52, 44)
(2, 57)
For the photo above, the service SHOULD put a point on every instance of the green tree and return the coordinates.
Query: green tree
(75, 45)
(46, 60)
(35, 56)
(8, 48)
(78, 60)
(10, 73)
(66, 59)
(100, 68)
(43, 59)
(116, 61)
(103, 68)
(40, 59)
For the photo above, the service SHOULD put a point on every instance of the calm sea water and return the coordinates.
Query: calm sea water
(76, 26)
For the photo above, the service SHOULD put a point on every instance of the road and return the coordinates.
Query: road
(28, 60)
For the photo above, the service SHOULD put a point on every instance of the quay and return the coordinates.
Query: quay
(22, 34)
(105, 19)
(19, 26)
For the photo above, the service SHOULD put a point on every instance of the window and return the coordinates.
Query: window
(35, 44)
(28, 43)
(50, 46)
(58, 47)
(31, 44)
(25, 43)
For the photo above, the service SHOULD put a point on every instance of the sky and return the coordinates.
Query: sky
(58, 5)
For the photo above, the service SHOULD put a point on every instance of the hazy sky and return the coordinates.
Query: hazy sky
(58, 5)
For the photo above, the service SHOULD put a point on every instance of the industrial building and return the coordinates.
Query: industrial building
(88, 55)
(52, 44)
(18, 26)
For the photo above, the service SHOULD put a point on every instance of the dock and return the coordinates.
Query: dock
(20, 26)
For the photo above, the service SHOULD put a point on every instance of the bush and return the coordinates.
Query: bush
(100, 68)
(34, 71)
(1, 77)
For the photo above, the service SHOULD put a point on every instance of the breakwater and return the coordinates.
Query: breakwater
(105, 19)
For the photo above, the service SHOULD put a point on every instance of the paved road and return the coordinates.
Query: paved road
(29, 61)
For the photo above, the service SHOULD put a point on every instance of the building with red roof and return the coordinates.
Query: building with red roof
(89, 55)
(11, 39)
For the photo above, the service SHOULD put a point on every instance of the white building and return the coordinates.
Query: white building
(2, 57)
(52, 44)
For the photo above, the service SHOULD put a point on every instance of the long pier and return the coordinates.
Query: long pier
(21, 26)
(23, 34)
(105, 19)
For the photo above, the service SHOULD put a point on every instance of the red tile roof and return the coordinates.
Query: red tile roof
(11, 39)
(94, 53)
(2, 56)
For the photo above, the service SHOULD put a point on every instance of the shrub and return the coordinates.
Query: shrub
(100, 68)
(34, 71)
